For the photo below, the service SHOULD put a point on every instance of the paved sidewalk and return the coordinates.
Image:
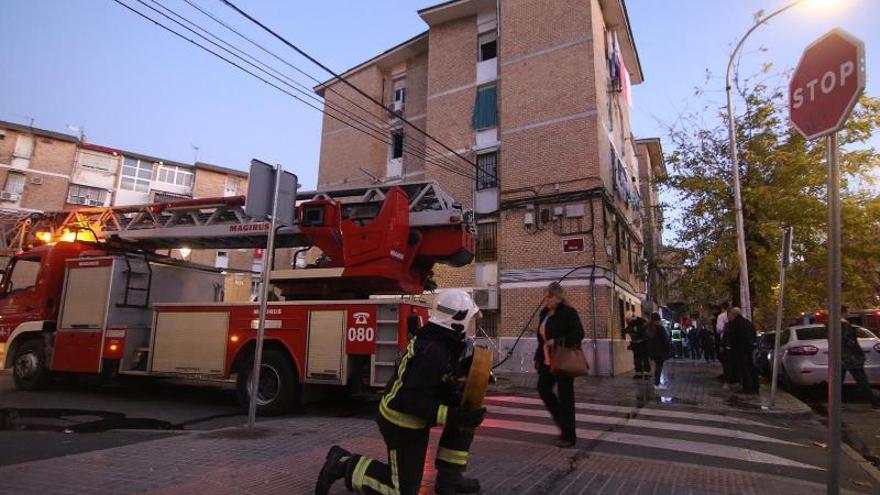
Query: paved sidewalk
(688, 382)
(632, 441)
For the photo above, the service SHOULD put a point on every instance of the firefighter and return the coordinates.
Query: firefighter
(423, 392)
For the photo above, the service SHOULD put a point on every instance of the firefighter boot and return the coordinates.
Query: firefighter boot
(335, 467)
(453, 482)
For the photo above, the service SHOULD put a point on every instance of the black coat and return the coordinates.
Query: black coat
(658, 341)
(741, 335)
(564, 328)
(636, 330)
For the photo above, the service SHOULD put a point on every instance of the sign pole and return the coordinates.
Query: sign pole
(834, 338)
(268, 259)
(784, 261)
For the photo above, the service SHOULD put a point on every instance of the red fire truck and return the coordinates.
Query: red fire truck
(90, 294)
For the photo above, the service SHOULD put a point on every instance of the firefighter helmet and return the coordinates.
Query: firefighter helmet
(454, 309)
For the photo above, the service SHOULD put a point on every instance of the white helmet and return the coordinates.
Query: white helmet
(454, 309)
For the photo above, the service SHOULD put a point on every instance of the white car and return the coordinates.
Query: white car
(805, 355)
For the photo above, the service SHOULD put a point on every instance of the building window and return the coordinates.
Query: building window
(136, 175)
(487, 241)
(486, 108)
(221, 260)
(399, 95)
(488, 46)
(396, 144)
(231, 187)
(488, 322)
(177, 176)
(487, 170)
(88, 196)
(14, 183)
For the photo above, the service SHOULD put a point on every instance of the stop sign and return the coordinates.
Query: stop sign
(826, 84)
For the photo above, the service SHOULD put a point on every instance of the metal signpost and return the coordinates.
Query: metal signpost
(824, 87)
(787, 233)
(271, 195)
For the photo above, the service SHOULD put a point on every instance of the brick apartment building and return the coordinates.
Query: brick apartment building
(42, 170)
(536, 95)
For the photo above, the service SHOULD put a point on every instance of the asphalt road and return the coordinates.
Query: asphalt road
(861, 424)
(77, 416)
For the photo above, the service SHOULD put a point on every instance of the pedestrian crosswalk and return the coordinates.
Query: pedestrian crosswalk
(656, 432)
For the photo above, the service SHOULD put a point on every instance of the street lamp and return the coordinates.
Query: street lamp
(744, 296)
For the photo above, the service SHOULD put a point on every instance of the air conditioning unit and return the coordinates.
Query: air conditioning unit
(486, 298)
(94, 202)
(8, 196)
(37, 181)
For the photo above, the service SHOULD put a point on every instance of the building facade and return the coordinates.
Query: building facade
(535, 97)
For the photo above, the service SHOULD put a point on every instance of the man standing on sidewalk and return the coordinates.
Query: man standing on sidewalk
(635, 328)
(422, 393)
(852, 358)
(742, 338)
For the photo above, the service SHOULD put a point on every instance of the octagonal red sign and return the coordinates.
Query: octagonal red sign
(826, 84)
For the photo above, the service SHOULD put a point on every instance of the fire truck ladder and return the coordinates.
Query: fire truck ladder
(217, 223)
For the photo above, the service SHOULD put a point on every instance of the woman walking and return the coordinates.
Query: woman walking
(658, 342)
(559, 326)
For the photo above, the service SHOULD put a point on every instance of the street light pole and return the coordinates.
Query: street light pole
(744, 296)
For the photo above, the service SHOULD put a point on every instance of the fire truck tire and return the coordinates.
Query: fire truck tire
(279, 387)
(29, 370)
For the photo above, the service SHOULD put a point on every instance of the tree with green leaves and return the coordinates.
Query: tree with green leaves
(783, 183)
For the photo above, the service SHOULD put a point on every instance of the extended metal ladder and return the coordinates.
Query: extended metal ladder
(222, 222)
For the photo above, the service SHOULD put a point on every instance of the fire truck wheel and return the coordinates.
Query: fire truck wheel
(278, 388)
(29, 366)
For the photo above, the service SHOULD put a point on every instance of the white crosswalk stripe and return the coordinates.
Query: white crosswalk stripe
(642, 411)
(652, 428)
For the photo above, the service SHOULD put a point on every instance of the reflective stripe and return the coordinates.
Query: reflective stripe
(395, 477)
(401, 419)
(357, 478)
(398, 418)
(442, 412)
(401, 370)
(379, 487)
(458, 457)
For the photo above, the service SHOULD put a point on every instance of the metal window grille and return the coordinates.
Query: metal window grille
(489, 322)
(487, 241)
(487, 171)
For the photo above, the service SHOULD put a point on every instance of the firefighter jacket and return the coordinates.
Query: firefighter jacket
(425, 383)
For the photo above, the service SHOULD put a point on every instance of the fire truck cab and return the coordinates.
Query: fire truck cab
(97, 308)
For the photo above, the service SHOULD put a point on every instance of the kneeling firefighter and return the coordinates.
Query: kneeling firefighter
(423, 392)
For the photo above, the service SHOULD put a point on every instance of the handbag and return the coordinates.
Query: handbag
(568, 362)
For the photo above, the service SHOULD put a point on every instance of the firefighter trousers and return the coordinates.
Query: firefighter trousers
(407, 447)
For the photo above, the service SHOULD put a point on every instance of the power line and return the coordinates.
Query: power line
(279, 88)
(438, 155)
(345, 81)
(283, 77)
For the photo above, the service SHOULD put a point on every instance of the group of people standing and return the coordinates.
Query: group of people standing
(648, 342)
(737, 337)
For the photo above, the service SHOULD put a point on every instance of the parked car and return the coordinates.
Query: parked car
(804, 351)
(763, 353)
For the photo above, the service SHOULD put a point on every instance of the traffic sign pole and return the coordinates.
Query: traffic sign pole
(268, 259)
(785, 259)
(834, 337)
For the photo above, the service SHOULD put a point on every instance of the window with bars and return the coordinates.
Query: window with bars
(14, 183)
(136, 175)
(175, 175)
(487, 241)
(84, 195)
(489, 322)
(487, 171)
